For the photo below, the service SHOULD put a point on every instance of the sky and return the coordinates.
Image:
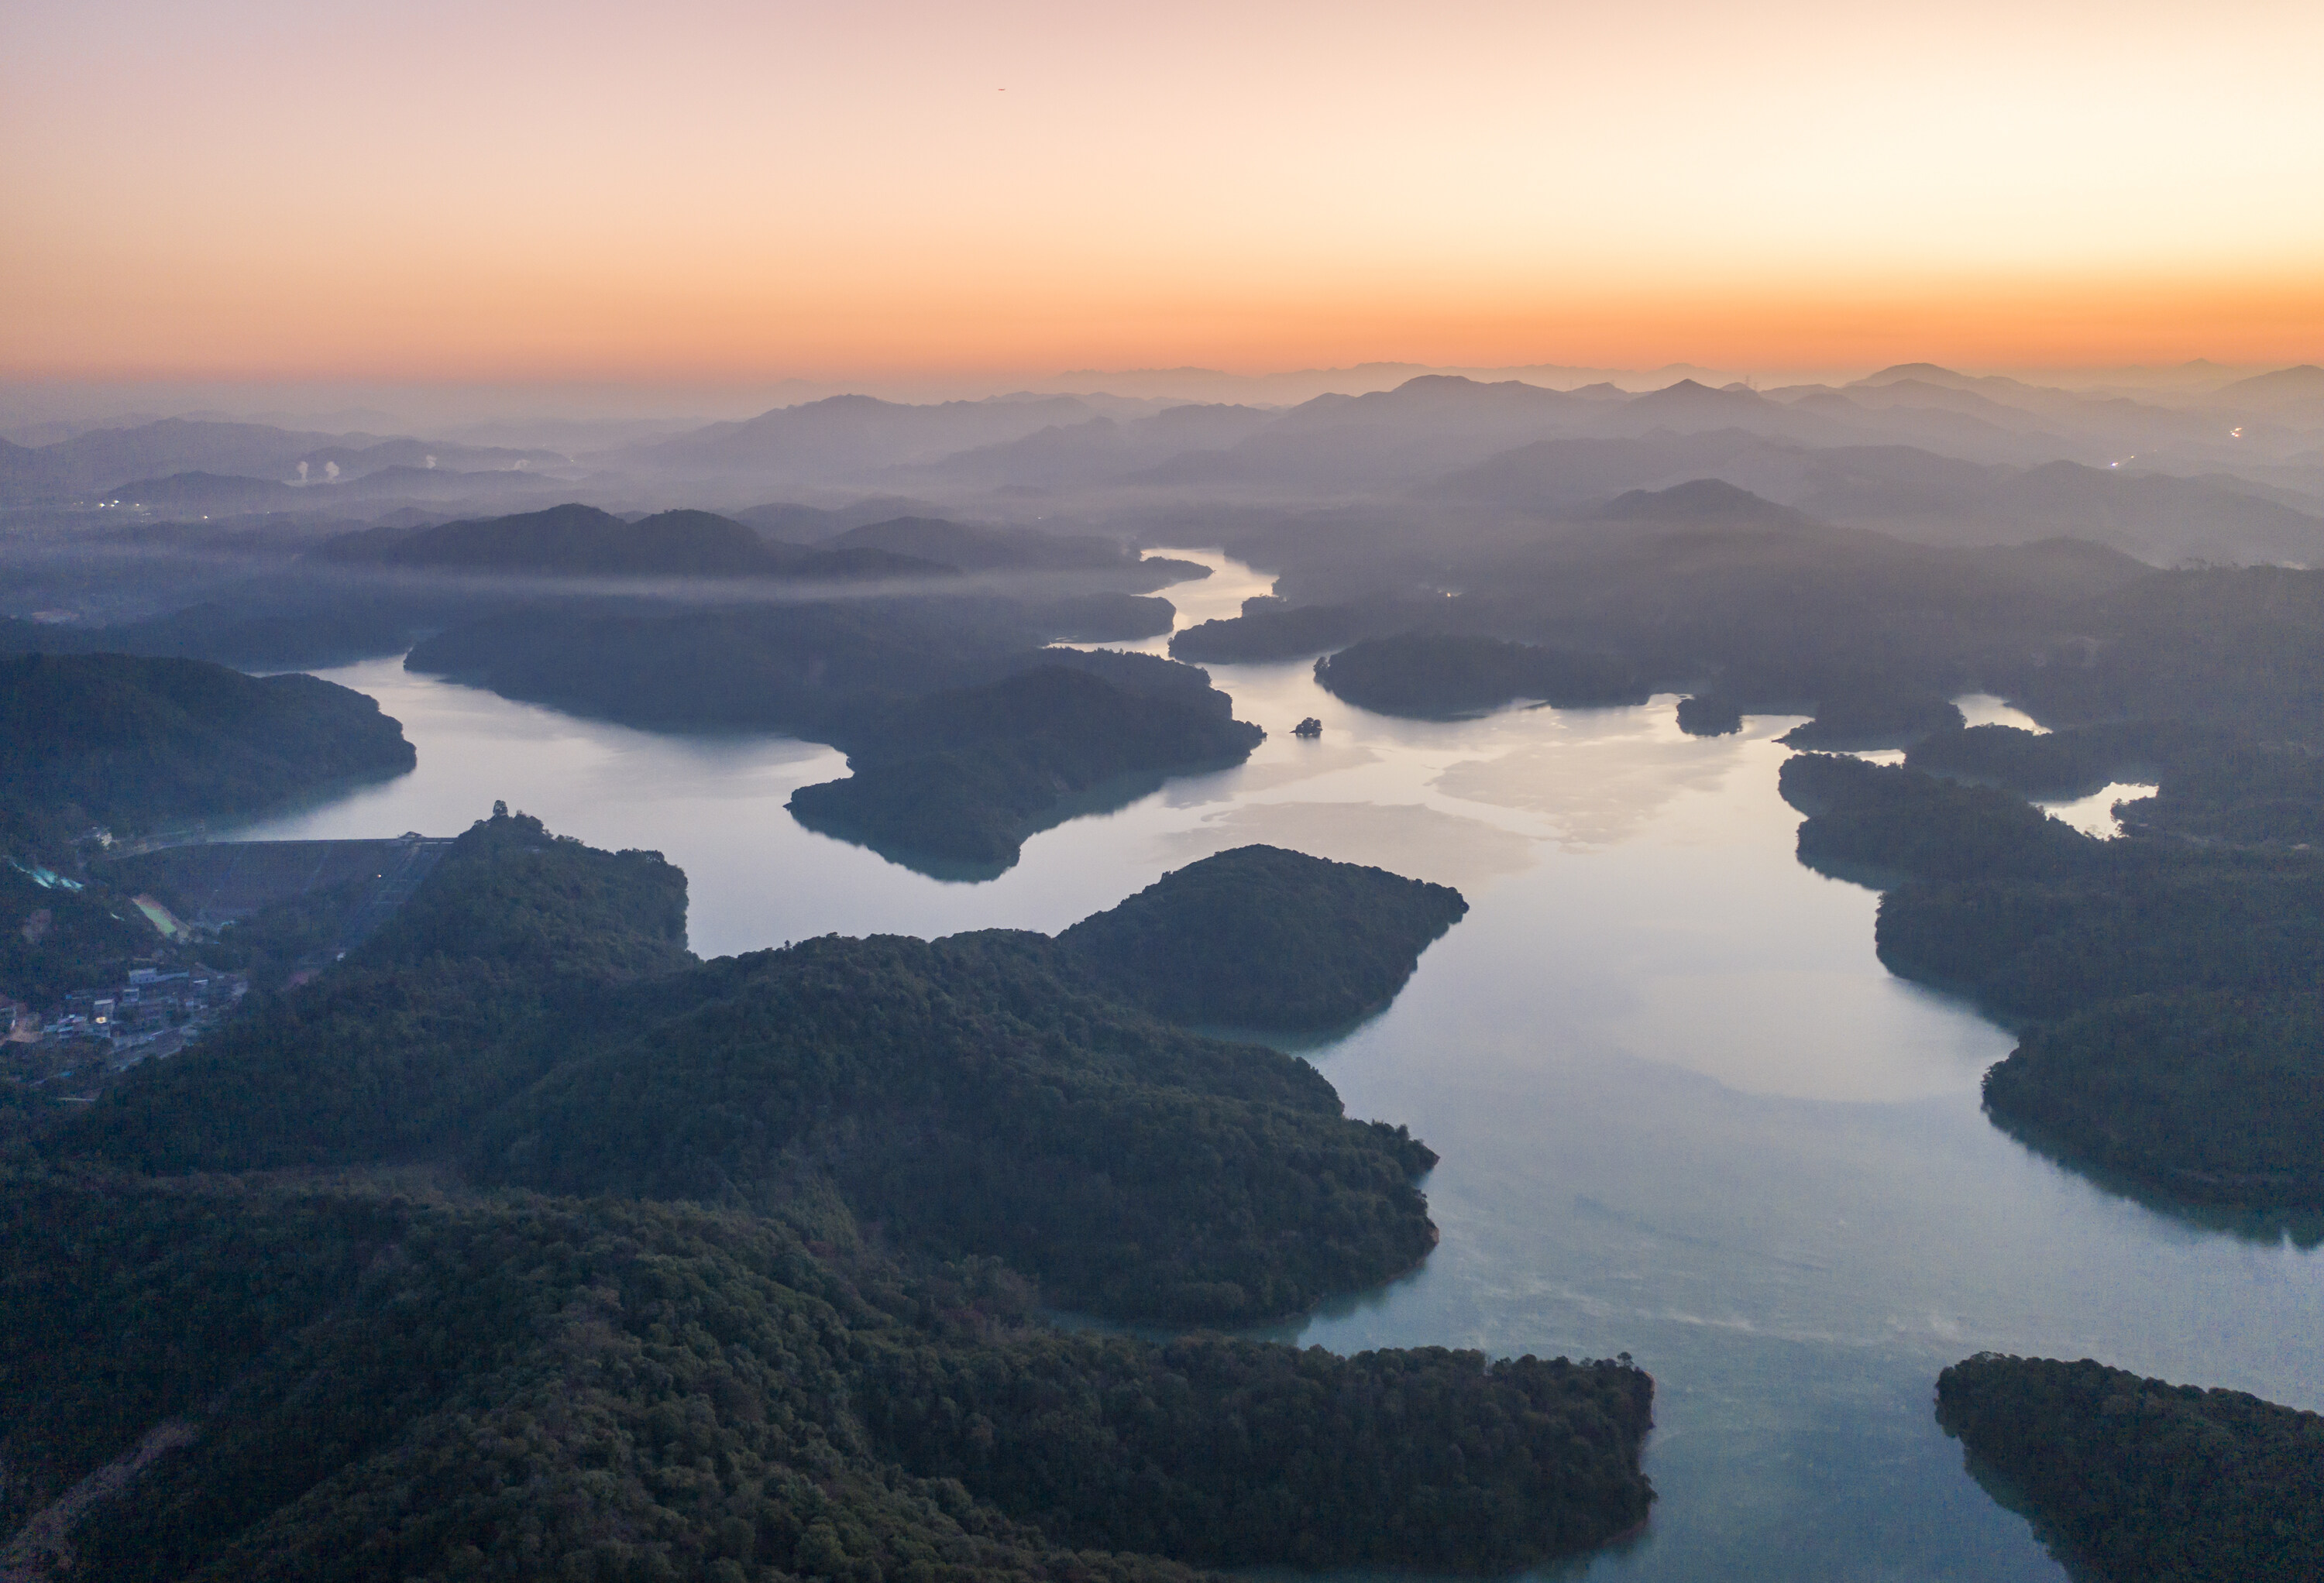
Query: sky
(711, 189)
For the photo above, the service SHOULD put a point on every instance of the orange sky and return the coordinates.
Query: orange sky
(717, 188)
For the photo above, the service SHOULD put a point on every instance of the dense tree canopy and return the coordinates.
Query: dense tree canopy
(966, 775)
(1260, 937)
(1439, 674)
(55, 939)
(2168, 987)
(135, 743)
(1854, 721)
(532, 1015)
(358, 1387)
(2211, 1095)
(972, 1101)
(786, 1332)
(2148, 1482)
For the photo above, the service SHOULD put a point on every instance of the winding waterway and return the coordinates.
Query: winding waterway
(1683, 1111)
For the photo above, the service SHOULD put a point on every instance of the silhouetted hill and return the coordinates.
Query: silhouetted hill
(798, 524)
(1853, 721)
(2210, 1096)
(2219, 647)
(579, 540)
(2285, 387)
(1699, 500)
(103, 458)
(208, 492)
(2168, 991)
(803, 667)
(847, 435)
(972, 547)
(1911, 491)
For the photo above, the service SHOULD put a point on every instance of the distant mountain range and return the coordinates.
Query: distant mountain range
(1913, 493)
(1917, 450)
(150, 456)
(577, 540)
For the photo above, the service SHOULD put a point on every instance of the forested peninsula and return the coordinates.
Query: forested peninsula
(1439, 675)
(966, 775)
(1260, 937)
(775, 1317)
(132, 744)
(2146, 1482)
(964, 733)
(531, 1017)
(2168, 990)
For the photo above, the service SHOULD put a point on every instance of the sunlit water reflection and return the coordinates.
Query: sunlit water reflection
(1683, 1111)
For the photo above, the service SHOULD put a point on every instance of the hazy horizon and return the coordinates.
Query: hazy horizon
(344, 405)
(907, 192)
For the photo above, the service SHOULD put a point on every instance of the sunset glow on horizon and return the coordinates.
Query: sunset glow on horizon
(718, 189)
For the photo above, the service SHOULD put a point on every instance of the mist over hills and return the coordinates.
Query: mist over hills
(1095, 457)
(1391, 481)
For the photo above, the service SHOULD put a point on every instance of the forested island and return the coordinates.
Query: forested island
(2168, 989)
(1444, 674)
(2144, 1481)
(777, 1315)
(964, 733)
(966, 775)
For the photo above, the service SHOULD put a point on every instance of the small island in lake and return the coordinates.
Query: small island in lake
(1707, 715)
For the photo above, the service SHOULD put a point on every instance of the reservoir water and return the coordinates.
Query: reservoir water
(1683, 1111)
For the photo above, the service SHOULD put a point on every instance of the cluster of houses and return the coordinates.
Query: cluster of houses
(156, 1014)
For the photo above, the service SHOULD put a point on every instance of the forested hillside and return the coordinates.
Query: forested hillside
(2168, 989)
(332, 1385)
(1441, 673)
(1260, 937)
(2148, 1482)
(775, 1320)
(135, 743)
(507, 952)
(966, 775)
(531, 1019)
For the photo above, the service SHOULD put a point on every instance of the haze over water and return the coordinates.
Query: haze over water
(1683, 1111)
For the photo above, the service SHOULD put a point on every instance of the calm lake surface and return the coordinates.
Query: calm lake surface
(1683, 1111)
